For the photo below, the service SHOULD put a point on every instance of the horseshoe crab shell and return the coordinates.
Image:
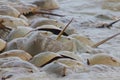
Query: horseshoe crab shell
(62, 67)
(104, 59)
(44, 58)
(74, 44)
(9, 10)
(2, 44)
(44, 21)
(83, 39)
(70, 63)
(51, 28)
(21, 6)
(17, 33)
(39, 22)
(44, 33)
(16, 53)
(12, 22)
(46, 4)
(69, 54)
(8, 63)
(57, 68)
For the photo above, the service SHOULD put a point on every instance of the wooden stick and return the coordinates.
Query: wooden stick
(59, 35)
(48, 13)
(105, 40)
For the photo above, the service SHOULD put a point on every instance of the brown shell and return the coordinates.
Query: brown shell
(16, 53)
(104, 59)
(44, 58)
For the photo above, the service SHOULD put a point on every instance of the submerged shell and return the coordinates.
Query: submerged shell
(18, 63)
(12, 22)
(19, 32)
(70, 63)
(16, 53)
(21, 6)
(2, 44)
(71, 44)
(104, 59)
(57, 68)
(83, 39)
(44, 58)
(46, 4)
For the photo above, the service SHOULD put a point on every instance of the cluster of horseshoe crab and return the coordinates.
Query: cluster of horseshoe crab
(44, 43)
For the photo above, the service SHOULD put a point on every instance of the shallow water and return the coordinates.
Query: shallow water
(87, 15)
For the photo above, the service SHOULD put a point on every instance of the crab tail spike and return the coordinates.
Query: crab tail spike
(48, 13)
(59, 35)
(105, 40)
(112, 23)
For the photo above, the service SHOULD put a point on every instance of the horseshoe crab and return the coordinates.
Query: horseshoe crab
(12, 22)
(44, 21)
(105, 59)
(70, 62)
(2, 44)
(42, 43)
(57, 68)
(16, 53)
(51, 28)
(12, 63)
(46, 4)
(44, 58)
(83, 39)
(21, 6)
(62, 67)
(40, 22)
(19, 32)
(7, 23)
(70, 55)
(9, 10)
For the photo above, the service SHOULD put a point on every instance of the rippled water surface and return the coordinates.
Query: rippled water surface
(88, 14)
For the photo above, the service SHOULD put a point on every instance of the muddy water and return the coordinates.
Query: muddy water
(88, 14)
